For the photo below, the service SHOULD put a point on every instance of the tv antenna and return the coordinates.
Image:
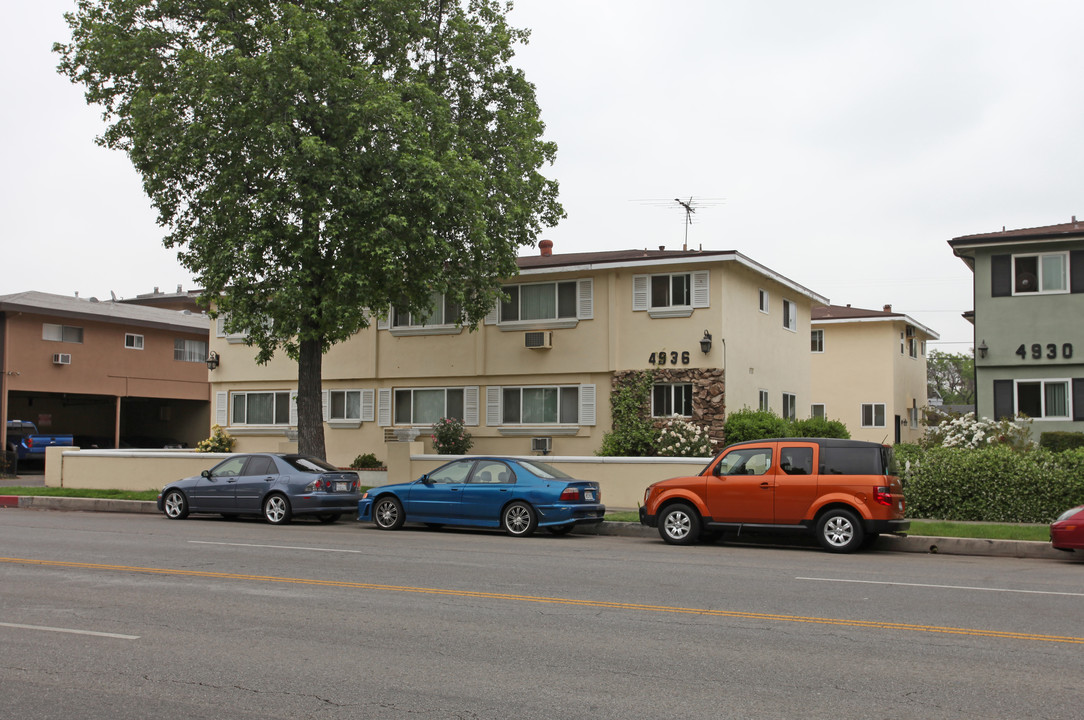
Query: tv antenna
(689, 207)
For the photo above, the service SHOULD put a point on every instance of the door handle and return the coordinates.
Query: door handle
(232, 480)
(765, 486)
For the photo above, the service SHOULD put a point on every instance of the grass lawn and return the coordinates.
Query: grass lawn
(82, 493)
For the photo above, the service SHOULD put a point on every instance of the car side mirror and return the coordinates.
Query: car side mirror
(206, 473)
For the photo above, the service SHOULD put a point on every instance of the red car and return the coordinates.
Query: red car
(1067, 532)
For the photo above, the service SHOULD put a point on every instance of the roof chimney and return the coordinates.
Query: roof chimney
(546, 248)
(888, 308)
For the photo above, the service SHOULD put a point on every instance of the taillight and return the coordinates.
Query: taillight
(570, 493)
(883, 495)
(30, 442)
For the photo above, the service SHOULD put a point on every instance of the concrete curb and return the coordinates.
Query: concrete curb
(885, 543)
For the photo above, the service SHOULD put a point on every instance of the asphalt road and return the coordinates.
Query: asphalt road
(134, 616)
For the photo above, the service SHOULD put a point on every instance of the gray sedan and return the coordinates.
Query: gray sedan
(275, 485)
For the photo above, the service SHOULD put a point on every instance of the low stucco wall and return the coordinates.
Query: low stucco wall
(622, 480)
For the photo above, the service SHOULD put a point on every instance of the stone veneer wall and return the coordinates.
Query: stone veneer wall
(709, 396)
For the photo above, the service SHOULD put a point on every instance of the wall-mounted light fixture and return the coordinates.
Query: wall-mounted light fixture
(983, 349)
(212, 360)
(705, 343)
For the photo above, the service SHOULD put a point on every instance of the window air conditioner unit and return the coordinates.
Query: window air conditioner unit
(538, 340)
(62, 359)
(541, 444)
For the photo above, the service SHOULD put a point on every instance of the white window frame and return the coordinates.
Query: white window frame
(790, 315)
(763, 400)
(276, 421)
(584, 308)
(194, 351)
(699, 283)
(1042, 383)
(133, 341)
(823, 414)
(557, 388)
(912, 416)
(414, 422)
(54, 332)
(818, 346)
(412, 326)
(496, 416)
(345, 394)
(765, 301)
(790, 406)
(673, 389)
(1040, 280)
(873, 414)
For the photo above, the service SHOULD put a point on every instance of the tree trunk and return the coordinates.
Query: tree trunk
(310, 416)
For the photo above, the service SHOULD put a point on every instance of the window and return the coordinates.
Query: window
(540, 301)
(670, 291)
(344, 405)
(540, 405)
(133, 342)
(1043, 399)
(668, 400)
(790, 315)
(912, 417)
(424, 406)
(816, 341)
(912, 342)
(790, 406)
(903, 344)
(61, 333)
(671, 295)
(189, 350)
(750, 461)
(873, 414)
(764, 400)
(796, 460)
(816, 410)
(261, 408)
(442, 311)
(1040, 273)
(765, 306)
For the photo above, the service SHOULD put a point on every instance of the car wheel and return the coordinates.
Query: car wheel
(519, 519)
(679, 525)
(276, 509)
(388, 513)
(839, 531)
(328, 518)
(175, 505)
(561, 529)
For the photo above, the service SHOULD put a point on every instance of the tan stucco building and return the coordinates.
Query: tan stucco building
(108, 373)
(721, 330)
(869, 371)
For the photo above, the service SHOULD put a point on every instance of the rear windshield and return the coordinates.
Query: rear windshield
(856, 460)
(309, 464)
(543, 470)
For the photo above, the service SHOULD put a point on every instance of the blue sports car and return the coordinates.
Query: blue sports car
(518, 495)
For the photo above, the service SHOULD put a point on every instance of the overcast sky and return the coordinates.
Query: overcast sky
(842, 144)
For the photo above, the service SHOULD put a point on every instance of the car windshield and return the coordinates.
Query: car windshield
(543, 470)
(309, 464)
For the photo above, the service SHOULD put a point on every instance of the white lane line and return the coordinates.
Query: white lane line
(69, 630)
(275, 547)
(942, 587)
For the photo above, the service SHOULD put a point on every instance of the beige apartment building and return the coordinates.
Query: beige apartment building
(869, 371)
(721, 331)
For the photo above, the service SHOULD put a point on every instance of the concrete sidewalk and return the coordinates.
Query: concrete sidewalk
(886, 543)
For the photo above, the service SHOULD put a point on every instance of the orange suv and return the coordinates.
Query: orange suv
(845, 492)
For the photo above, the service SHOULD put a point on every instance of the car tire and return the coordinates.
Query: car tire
(561, 529)
(839, 531)
(276, 509)
(679, 524)
(519, 519)
(328, 518)
(388, 513)
(175, 505)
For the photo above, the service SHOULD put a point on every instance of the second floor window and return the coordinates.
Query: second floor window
(670, 291)
(539, 301)
(816, 341)
(1040, 273)
(790, 315)
(194, 351)
(133, 341)
(61, 333)
(442, 311)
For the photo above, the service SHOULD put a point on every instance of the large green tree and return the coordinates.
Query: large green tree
(317, 161)
(953, 376)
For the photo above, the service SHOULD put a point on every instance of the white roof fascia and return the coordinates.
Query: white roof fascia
(898, 318)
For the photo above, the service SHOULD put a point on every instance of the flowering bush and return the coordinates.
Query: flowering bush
(967, 431)
(450, 437)
(683, 439)
(220, 441)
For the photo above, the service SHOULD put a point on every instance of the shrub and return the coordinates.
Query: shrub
(748, 424)
(450, 437)
(366, 462)
(819, 428)
(684, 439)
(1061, 441)
(633, 433)
(967, 431)
(220, 441)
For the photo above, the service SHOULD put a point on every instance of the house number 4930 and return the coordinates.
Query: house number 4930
(1038, 351)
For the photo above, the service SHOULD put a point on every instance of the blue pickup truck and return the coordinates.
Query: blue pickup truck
(28, 444)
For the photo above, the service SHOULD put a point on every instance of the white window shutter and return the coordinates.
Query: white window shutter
(470, 405)
(493, 406)
(494, 315)
(221, 408)
(383, 407)
(383, 322)
(701, 289)
(293, 408)
(323, 405)
(368, 405)
(640, 285)
(220, 326)
(587, 404)
(585, 306)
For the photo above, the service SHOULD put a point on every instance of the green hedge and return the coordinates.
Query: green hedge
(1061, 441)
(995, 484)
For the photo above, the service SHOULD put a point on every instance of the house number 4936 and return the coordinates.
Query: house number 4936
(1038, 351)
(663, 358)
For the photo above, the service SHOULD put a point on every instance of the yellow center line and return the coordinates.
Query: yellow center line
(868, 624)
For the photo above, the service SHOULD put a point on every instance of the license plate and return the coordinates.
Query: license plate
(341, 487)
(589, 495)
